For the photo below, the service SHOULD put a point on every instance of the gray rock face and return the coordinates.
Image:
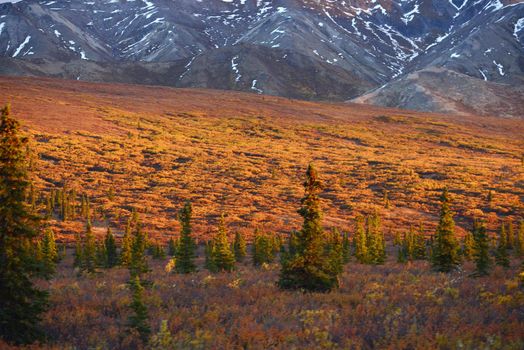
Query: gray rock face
(312, 49)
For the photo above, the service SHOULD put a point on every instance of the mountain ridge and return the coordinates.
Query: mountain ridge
(317, 50)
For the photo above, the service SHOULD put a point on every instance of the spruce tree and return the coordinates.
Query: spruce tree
(127, 241)
(239, 247)
(49, 253)
(222, 255)
(481, 250)
(209, 263)
(467, 246)
(335, 251)
(346, 248)
(89, 259)
(139, 318)
(111, 258)
(510, 243)
(21, 303)
(307, 265)
(360, 241)
(186, 250)
(419, 243)
(501, 254)
(445, 257)
(138, 263)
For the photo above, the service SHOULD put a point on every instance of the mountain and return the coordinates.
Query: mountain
(310, 49)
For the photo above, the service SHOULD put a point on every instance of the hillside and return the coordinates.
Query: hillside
(152, 148)
(307, 49)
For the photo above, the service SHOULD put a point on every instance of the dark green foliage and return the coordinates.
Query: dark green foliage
(111, 258)
(510, 236)
(209, 262)
(239, 247)
(222, 256)
(307, 264)
(139, 318)
(420, 251)
(21, 303)
(89, 256)
(263, 250)
(49, 253)
(186, 252)
(158, 251)
(335, 251)
(501, 254)
(138, 263)
(360, 240)
(445, 253)
(481, 250)
(127, 241)
(346, 248)
(468, 246)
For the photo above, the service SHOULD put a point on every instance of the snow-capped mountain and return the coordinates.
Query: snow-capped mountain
(315, 49)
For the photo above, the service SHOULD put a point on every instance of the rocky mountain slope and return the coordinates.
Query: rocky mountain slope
(312, 49)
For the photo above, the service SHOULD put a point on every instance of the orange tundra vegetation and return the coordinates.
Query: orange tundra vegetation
(140, 153)
(151, 149)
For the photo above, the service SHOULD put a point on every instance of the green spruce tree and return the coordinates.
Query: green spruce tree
(481, 250)
(467, 246)
(187, 248)
(501, 254)
(21, 302)
(111, 258)
(89, 258)
(49, 253)
(139, 318)
(127, 241)
(445, 257)
(307, 265)
(138, 263)
(239, 247)
(222, 255)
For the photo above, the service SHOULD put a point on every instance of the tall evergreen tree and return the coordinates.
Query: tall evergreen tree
(127, 241)
(239, 247)
(49, 253)
(138, 263)
(360, 241)
(468, 246)
(186, 250)
(139, 318)
(111, 259)
(209, 262)
(481, 250)
(419, 243)
(510, 237)
(307, 265)
(222, 255)
(346, 248)
(21, 303)
(445, 257)
(501, 254)
(78, 251)
(89, 259)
